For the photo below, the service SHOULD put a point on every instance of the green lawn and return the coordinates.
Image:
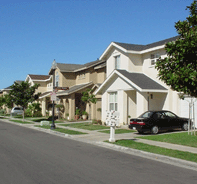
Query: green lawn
(62, 130)
(20, 121)
(158, 150)
(175, 138)
(118, 131)
(86, 126)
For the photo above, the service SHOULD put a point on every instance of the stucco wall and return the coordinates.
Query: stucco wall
(42, 87)
(134, 63)
(68, 79)
(101, 75)
(111, 61)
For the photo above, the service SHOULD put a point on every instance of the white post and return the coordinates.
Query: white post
(112, 134)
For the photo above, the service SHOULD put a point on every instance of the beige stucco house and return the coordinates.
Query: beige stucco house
(132, 85)
(78, 78)
(45, 87)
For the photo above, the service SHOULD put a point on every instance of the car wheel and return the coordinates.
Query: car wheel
(154, 130)
(185, 126)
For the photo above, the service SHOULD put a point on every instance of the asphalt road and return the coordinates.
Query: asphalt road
(29, 156)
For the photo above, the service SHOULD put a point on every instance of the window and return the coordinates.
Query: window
(169, 114)
(117, 62)
(154, 58)
(57, 80)
(113, 101)
(82, 76)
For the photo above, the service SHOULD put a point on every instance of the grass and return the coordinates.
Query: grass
(118, 131)
(86, 126)
(175, 138)
(22, 122)
(62, 130)
(158, 150)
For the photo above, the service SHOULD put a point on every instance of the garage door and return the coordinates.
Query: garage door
(184, 111)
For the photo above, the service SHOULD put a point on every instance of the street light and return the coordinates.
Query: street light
(53, 67)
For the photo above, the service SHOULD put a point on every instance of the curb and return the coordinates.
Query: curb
(156, 157)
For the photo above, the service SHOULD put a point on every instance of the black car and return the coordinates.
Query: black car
(155, 121)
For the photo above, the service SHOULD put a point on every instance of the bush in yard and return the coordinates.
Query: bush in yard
(37, 114)
(2, 112)
(28, 113)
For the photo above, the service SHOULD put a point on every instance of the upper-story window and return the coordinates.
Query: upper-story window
(117, 62)
(56, 79)
(154, 58)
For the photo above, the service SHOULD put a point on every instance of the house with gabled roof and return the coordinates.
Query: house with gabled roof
(45, 88)
(78, 78)
(132, 85)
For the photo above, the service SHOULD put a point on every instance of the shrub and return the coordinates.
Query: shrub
(84, 113)
(38, 114)
(94, 121)
(78, 112)
(28, 113)
(2, 112)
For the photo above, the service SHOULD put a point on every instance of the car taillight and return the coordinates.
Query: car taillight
(141, 123)
(137, 123)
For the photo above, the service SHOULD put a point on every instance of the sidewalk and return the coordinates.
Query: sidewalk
(95, 135)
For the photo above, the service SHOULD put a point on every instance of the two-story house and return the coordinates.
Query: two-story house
(78, 78)
(132, 85)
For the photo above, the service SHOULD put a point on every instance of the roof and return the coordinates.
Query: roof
(68, 67)
(137, 81)
(136, 47)
(142, 81)
(39, 77)
(64, 67)
(74, 89)
(9, 87)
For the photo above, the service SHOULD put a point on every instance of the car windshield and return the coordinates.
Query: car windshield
(17, 108)
(146, 115)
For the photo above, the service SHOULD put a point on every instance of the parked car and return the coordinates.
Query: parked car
(17, 111)
(155, 121)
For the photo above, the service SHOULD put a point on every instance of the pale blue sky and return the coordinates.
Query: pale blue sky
(35, 32)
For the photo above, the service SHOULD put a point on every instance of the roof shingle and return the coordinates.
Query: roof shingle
(136, 47)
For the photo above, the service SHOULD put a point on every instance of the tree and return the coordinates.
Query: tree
(8, 101)
(178, 69)
(2, 101)
(88, 97)
(23, 93)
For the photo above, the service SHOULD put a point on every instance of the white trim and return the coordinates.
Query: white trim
(46, 95)
(130, 51)
(32, 80)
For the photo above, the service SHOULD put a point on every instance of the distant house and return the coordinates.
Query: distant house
(78, 78)
(6, 91)
(132, 85)
(45, 88)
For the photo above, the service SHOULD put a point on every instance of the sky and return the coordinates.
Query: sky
(35, 32)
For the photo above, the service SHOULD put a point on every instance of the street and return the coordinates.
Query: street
(29, 156)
